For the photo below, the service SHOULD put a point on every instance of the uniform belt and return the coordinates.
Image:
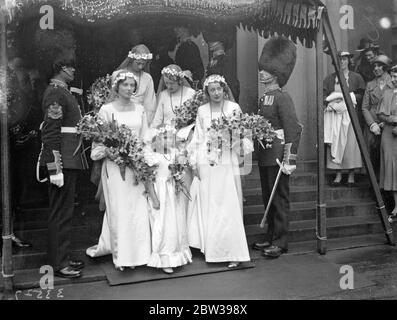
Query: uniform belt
(68, 130)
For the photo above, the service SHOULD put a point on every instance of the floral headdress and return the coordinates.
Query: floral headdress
(214, 78)
(173, 74)
(140, 56)
(140, 52)
(122, 76)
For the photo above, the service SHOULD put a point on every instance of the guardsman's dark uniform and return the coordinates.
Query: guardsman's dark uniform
(277, 107)
(61, 153)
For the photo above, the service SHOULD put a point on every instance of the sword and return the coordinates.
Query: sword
(262, 225)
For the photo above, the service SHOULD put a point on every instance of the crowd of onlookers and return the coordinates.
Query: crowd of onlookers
(372, 80)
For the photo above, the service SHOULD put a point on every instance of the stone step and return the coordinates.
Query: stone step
(343, 243)
(302, 166)
(253, 196)
(355, 203)
(30, 278)
(82, 238)
(307, 210)
(81, 234)
(303, 179)
(300, 231)
(36, 218)
(336, 227)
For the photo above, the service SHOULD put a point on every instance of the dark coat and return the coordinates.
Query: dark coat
(188, 58)
(221, 66)
(372, 97)
(278, 107)
(356, 85)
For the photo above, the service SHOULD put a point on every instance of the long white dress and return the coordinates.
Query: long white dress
(215, 216)
(166, 104)
(146, 95)
(165, 114)
(170, 246)
(126, 227)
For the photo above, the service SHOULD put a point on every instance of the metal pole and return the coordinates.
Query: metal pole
(357, 130)
(321, 210)
(7, 269)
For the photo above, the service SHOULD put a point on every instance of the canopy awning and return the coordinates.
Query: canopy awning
(292, 18)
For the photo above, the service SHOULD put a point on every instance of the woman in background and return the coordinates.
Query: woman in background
(387, 112)
(145, 95)
(351, 157)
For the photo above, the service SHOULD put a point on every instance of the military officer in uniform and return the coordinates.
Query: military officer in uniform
(62, 158)
(276, 64)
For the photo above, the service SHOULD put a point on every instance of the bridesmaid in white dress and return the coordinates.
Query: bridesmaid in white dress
(215, 221)
(126, 227)
(170, 247)
(177, 92)
(145, 94)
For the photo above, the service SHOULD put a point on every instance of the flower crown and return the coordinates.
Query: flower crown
(122, 76)
(172, 74)
(140, 56)
(214, 78)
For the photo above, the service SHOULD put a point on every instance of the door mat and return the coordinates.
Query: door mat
(145, 273)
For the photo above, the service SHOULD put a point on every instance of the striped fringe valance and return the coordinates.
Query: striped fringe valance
(293, 18)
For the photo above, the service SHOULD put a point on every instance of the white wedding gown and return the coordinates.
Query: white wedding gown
(215, 214)
(169, 235)
(126, 227)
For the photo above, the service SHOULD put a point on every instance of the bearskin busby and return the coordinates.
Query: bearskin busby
(278, 58)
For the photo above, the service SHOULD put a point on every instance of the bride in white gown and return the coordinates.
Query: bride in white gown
(126, 228)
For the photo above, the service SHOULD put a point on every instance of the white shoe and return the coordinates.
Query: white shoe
(233, 265)
(168, 270)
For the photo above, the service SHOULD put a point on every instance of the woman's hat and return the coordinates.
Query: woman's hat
(345, 54)
(278, 58)
(366, 44)
(382, 59)
(393, 68)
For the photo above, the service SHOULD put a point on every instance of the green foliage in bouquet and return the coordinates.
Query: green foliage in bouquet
(99, 92)
(124, 147)
(186, 113)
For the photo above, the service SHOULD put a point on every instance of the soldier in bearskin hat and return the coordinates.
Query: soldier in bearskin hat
(275, 65)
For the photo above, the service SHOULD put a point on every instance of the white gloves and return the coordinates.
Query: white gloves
(375, 129)
(98, 151)
(57, 179)
(286, 168)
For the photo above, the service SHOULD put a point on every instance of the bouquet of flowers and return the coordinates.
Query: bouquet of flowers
(178, 170)
(186, 113)
(99, 92)
(226, 131)
(123, 146)
(166, 136)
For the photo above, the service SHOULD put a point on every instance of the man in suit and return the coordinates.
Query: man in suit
(368, 53)
(276, 64)
(219, 64)
(62, 158)
(188, 55)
